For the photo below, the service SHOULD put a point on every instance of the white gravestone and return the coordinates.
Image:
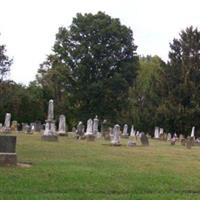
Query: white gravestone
(157, 133)
(192, 133)
(132, 131)
(89, 130)
(116, 135)
(95, 125)
(62, 125)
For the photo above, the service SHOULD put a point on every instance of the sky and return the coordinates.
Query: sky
(28, 27)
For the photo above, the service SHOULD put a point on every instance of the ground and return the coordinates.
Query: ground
(81, 170)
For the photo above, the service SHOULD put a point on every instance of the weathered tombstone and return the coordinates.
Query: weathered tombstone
(29, 129)
(175, 136)
(137, 135)
(50, 133)
(189, 142)
(8, 156)
(62, 126)
(173, 141)
(116, 136)
(192, 133)
(144, 140)
(169, 136)
(131, 143)
(80, 130)
(7, 128)
(161, 134)
(125, 131)
(105, 130)
(95, 125)
(132, 134)
(14, 126)
(38, 126)
(32, 127)
(157, 133)
(89, 131)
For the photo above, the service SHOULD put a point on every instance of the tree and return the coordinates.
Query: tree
(179, 108)
(5, 63)
(24, 103)
(55, 80)
(100, 56)
(143, 100)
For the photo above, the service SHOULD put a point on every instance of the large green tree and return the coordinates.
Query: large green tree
(179, 108)
(99, 54)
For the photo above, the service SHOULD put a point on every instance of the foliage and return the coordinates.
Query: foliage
(5, 63)
(143, 100)
(98, 54)
(24, 104)
(179, 108)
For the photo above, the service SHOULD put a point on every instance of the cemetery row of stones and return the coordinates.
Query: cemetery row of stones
(8, 143)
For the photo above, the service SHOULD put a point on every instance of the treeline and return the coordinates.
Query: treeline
(95, 70)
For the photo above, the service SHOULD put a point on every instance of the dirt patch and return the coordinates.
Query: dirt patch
(24, 164)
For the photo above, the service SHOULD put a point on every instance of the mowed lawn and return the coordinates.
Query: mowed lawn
(81, 170)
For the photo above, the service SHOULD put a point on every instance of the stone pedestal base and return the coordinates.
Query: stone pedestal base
(62, 134)
(90, 137)
(8, 159)
(51, 138)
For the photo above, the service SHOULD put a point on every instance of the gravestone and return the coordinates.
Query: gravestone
(38, 126)
(132, 134)
(125, 131)
(189, 142)
(116, 136)
(89, 131)
(131, 143)
(80, 130)
(173, 141)
(169, 136)
(157, 133)
(7, 128)
(144, 140)
(62, 126)
(95, 125)
(50, 132)
(8, 156)
(14, 126)
(192, 133)
(105, 130)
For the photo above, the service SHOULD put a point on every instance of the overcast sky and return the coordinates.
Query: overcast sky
(28, 27)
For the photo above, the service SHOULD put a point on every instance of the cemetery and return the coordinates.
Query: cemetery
(57, 164)
(99, 100)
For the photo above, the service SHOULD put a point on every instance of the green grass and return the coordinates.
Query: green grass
(81, 170)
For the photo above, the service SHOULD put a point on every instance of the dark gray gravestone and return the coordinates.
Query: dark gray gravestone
(144, 140)
(7, 144)
(189, 142)
(8, 150)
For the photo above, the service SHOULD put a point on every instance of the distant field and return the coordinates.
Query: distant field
(81, 170)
